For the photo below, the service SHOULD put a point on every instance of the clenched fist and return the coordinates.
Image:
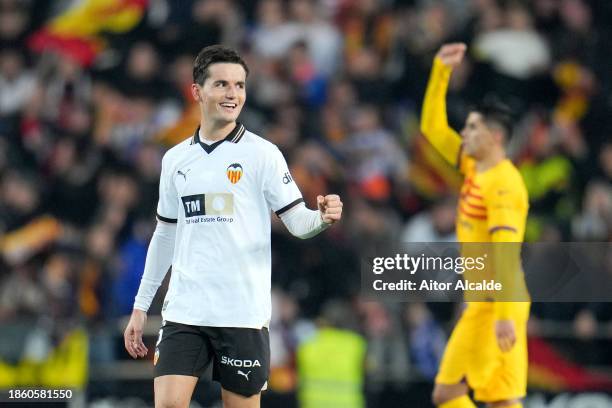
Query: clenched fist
(452, 54)
(330, 207)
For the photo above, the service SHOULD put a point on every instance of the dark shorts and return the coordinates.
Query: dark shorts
(240, 356)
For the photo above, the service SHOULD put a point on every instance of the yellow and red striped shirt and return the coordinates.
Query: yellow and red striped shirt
(490, 201)
(493, 204)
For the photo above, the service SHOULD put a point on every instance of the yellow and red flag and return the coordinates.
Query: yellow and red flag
(76, 32)
(551, 371)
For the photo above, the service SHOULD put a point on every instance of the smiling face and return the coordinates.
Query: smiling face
(223, 93)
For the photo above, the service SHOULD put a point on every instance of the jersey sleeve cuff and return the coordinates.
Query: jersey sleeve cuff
(289, 206)
(502, 228)
(168, 220)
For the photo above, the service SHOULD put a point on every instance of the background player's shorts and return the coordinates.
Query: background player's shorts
(472, 353)
(240, 356)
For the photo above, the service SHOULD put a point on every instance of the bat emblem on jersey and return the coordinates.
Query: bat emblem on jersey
(183, 174)
(234, 172)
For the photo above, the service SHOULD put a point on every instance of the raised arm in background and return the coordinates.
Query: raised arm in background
(434, 122)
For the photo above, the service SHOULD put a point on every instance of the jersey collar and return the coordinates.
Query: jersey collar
(233, 137)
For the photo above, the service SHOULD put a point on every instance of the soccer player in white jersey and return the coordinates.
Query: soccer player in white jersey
(216, 191)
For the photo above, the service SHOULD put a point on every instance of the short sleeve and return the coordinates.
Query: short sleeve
(280, 191)
(504, 210)
(167, 206)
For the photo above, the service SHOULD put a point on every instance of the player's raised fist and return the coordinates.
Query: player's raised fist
(330, 207)
(452, 54)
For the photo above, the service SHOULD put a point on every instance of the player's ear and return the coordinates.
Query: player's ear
(499, 136)
(495, 131)
(195, 92)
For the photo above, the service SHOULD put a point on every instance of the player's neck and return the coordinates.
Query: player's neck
(214, 131)
(490, 160)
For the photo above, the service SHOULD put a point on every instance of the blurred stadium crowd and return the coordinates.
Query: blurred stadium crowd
(337, 85)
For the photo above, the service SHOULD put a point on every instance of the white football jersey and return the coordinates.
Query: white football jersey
(220, 196)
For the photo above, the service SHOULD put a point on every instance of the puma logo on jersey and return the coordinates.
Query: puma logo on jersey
(183, 174)
(246, 375)
(466, 225)
(234, 362)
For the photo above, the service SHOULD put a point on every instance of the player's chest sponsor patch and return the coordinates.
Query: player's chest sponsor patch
(208, 204)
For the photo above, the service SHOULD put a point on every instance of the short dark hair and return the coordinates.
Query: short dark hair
(497, 113)
(214, 54)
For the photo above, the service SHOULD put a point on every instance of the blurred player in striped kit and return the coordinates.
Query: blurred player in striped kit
(487, 351)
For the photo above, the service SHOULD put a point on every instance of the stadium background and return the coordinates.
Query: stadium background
(93, 92)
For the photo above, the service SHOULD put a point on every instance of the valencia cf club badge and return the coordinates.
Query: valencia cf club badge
(156, 357)
(234, 172)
